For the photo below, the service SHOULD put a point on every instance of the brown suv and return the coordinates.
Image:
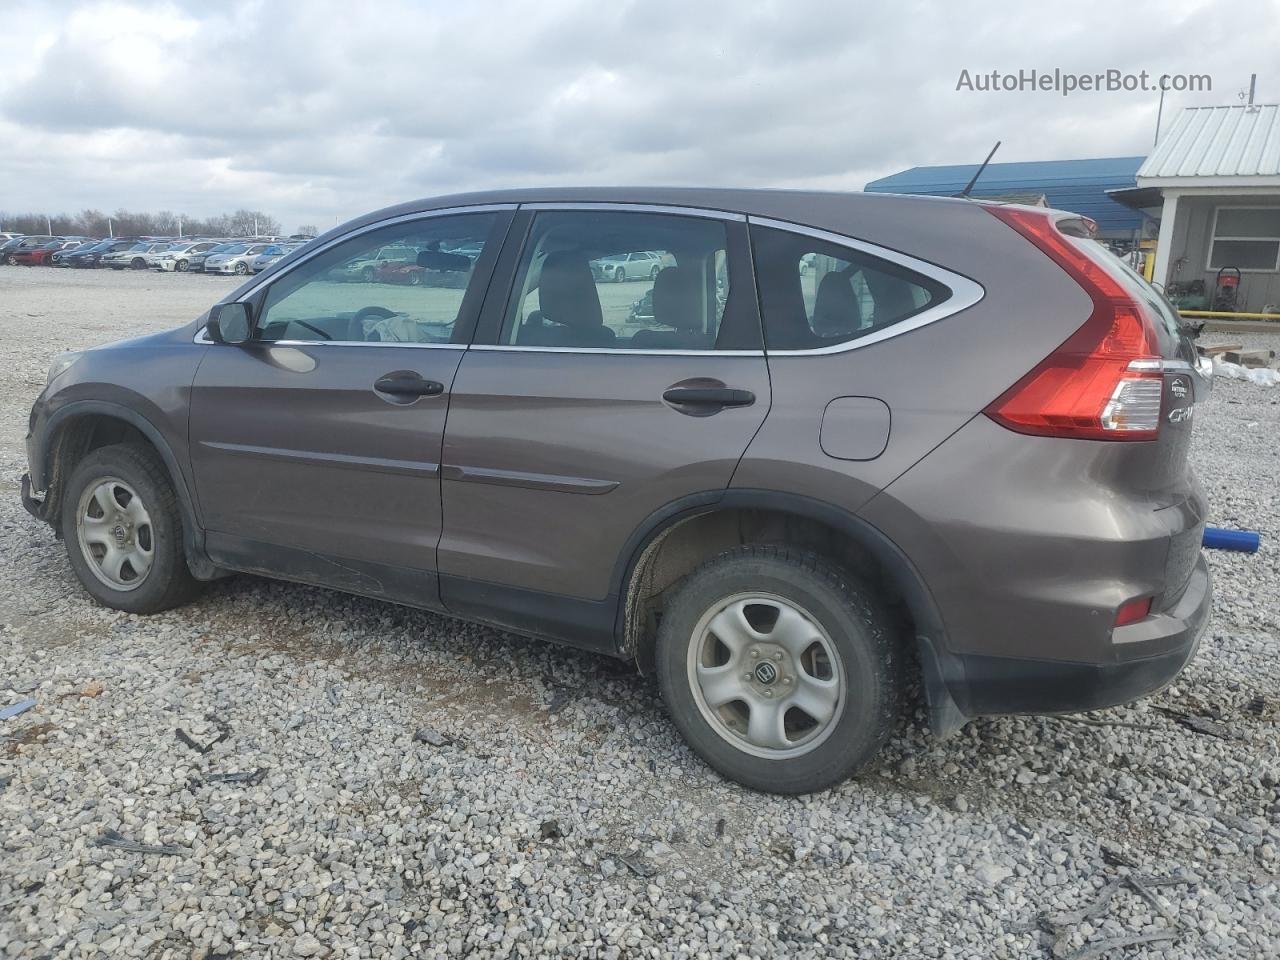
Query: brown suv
(848, 439)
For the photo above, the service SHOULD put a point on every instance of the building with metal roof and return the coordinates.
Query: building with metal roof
(1081, 186)
(1213, 180)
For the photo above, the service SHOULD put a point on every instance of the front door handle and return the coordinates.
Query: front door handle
(408, 385)
(709, 397)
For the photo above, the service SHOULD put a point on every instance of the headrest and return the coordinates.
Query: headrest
(567, 291)
(835, 308)
(675, 299)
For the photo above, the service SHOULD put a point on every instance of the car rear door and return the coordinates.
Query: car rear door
(573, 422)
(316, 446)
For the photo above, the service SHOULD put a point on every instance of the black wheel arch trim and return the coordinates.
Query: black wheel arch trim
(942, 672)
(192, 529)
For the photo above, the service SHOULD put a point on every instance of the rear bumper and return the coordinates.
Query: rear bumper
(983, 686)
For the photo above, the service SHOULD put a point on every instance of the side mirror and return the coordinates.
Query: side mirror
(229, 323)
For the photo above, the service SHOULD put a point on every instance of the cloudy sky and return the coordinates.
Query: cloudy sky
(317, 111)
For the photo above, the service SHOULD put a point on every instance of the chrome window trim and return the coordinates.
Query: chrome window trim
(964, 292)
(590, 206)
(359, 231)
(201, 337)
(615, 351)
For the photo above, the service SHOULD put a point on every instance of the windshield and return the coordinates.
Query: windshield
(233, 248)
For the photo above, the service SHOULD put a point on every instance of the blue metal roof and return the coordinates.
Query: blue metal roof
(1076, 185)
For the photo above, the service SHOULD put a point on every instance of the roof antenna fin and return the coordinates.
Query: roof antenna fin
(977, 173)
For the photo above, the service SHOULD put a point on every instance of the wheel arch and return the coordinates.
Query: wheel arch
(720, 515)
(81, 426)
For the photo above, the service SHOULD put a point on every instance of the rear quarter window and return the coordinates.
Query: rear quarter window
(818, 294)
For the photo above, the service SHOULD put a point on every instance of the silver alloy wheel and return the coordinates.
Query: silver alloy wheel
(766, 675)
(115, 534)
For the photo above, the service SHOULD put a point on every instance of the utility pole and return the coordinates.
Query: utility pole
(1159, 114)
(179, 227)
(48, 224)
(111, 230)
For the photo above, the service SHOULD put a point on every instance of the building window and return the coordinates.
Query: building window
(1247, 238)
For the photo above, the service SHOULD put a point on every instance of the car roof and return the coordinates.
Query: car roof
(834, 210)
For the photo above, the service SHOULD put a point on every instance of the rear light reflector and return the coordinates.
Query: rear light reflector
(1106, 381)
(1132, 611)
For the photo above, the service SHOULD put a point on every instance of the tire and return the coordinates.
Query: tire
(180, 266)
(851, 665)
(653, 274)
(619, 274)
(124, 469)
(11, 260)
(241, 268)
(138, 263)
(367, 274)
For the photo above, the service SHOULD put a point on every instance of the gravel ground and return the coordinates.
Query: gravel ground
(414, 785)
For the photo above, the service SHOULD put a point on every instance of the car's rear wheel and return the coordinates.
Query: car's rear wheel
(780, 669)
(138, 263)
(123, 530)
(653, 274)
(11, 260)
(180, 266)
(619, 274)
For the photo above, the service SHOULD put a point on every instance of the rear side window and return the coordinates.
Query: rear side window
(818, 294)
(628, 280)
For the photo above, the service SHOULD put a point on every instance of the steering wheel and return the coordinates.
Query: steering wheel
(368, 313)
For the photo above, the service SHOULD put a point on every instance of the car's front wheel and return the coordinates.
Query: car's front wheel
(180, 266)
(780, 669)
(242, 268)
(620, 274)
(123, 530)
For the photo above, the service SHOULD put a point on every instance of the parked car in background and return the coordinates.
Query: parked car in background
(58, 256)
(134, 256)
(366, 268)
(717, 494)
(89, 255)
(47, 255)
(20, 246)
(177, 256)
(196, 261)
(6, 235)
(641, 265)
(238, 260)
(274, 252)
(38, 254)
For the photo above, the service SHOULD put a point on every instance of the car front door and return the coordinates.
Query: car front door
(575, 419)
(316, 445)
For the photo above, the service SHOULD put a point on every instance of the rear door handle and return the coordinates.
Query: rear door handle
(709, 397)
(406, 385)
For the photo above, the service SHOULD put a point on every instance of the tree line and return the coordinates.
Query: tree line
(126, 223)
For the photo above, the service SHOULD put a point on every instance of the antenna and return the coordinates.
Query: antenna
(977, 173)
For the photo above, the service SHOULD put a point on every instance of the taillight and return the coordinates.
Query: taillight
(1106, 381)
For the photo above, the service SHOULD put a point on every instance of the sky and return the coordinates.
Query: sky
(316, 112)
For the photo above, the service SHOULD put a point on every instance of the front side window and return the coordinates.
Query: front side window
(1247, 238)
(623, 281)
(817, 294)
(396, 284)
